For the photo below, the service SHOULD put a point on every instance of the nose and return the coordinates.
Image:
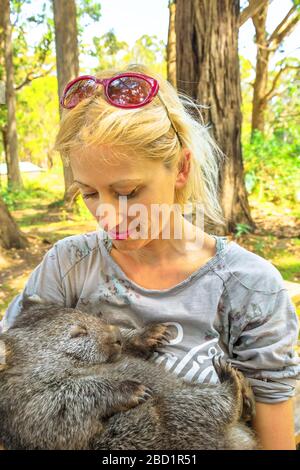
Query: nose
(118, 337)
(112, 222)
(115, 334)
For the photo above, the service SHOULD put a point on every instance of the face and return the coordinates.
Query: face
(121, 196)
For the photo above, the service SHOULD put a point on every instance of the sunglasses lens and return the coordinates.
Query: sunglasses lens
(129, 91)
(78, 92)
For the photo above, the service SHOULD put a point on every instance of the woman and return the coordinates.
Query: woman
(133, 145)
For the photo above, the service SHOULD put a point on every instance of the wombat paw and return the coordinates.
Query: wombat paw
(248, 407)
(242, 387)
(224, 369)
(134, 393)
(155, 336)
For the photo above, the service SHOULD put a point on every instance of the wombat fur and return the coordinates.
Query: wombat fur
(73, 381)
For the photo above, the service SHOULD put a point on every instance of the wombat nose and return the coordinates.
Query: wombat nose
(115, 331)
(118, 337)
(113, 328)
(114, 335)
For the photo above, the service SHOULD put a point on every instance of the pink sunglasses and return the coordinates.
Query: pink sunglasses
(125, 90)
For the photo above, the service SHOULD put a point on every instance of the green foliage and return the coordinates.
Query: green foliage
(23, 199)
(242, 229)
(38, 18)
(37, 120)
(283, 109)
(272, 167)
(81, 211)
(87, 13)
(88, 10)
(108, 50)
(283, 112)
(31, 60)
(147, 50)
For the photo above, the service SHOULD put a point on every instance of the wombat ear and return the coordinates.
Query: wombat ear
(78, 330)
(30, 300)
(3, 354)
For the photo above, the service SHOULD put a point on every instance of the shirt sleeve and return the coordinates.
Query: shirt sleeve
(263, 336)
(45, 281)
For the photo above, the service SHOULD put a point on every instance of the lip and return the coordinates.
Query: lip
(120, 235)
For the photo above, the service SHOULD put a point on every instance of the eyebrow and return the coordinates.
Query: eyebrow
(112, 184)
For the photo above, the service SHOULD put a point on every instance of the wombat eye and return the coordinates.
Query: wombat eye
(78, 330)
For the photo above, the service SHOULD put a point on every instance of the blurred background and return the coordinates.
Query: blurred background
(239, 59)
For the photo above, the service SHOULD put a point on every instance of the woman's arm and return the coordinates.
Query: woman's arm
(274, 425)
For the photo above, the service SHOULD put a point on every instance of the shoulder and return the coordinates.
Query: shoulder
(75, 249)
(243, 269)
(254, 290)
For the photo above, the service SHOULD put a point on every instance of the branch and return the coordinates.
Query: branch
(29, 78)
(266, 48)
(251, 10)
(285, 27)
(271, 92)
(287, 115)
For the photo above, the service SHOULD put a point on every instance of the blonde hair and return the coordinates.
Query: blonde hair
(147, 133)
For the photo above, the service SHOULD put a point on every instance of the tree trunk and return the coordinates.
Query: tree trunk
(10, 235)
(171, 46)
(67, 61)
(262, 66)
(11, 148)
(267, 44)
(208, 70)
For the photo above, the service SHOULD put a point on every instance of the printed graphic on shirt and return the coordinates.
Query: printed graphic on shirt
(196, 365)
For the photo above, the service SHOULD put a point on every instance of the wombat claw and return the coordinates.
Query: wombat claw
(138, 393)
(156, 335)
(225, 372)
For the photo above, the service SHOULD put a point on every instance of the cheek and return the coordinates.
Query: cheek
(164, 194)
(92, 205)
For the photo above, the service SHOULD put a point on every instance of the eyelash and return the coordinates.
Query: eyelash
(93, 195)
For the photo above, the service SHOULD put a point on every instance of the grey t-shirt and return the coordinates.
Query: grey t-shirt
(235, 305)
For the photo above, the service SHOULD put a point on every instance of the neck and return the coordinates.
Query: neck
(160, 252)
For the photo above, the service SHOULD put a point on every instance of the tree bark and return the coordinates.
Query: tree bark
(10, 235)
(11, 148)
(262, 65)
(171, 46)
(208, 70)
(67, 61)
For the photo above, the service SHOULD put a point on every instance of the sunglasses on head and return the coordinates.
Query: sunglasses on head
(125, 90)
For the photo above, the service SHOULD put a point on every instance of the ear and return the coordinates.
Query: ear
(3, 354)
(183, 169)
(78, 330)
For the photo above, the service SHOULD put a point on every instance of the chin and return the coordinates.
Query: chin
(131, 244)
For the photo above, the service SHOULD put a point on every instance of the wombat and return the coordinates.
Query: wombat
(73, 381)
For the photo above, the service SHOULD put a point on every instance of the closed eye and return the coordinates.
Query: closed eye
(89, 195)
(95, 194)
(130, 195)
